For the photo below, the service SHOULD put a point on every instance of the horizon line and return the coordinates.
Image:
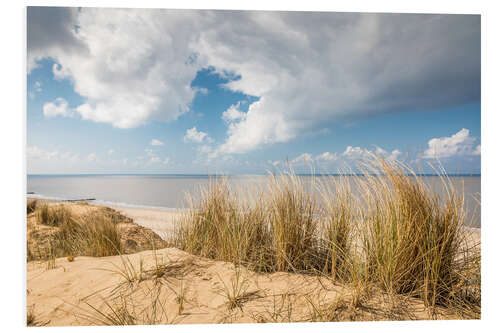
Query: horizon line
(469, 174)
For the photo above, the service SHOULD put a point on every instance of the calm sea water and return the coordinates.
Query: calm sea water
(169, 191)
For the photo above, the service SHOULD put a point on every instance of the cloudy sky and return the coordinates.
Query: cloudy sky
(186, 91)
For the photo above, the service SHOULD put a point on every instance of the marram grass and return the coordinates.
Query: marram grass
(390, 230)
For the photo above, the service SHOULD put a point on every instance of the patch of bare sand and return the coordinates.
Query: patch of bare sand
(196, 290)
(162, 222)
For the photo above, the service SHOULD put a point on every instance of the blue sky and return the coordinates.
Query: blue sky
(183, 93)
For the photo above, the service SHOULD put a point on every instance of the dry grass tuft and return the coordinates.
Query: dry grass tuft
(31, 319)
(31, 206)
(95, 234)
(389, 230)
(413, 238)
(53, 216)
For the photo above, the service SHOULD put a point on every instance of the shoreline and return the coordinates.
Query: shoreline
(145, 213)
(159, 219)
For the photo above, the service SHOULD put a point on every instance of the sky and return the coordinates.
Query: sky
(235, 92)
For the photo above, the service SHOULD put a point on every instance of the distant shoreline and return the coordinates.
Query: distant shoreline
(34, 196)
(231, 175)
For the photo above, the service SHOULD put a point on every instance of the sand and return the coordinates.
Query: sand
(173, 287)
(194, 290)
(160, 221)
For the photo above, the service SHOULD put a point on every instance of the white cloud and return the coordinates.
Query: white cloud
(166, 160)
(132, 66)
(355, 153)
(92, 157)
(111, 152)
(274, 163)
(34, 152)
(59, 107)
(304, 158)
(327, 156)
(477, 151)
(154, 159)
(38, 86)
(201, 90)
(459, 144)
(392, 156)
(395, 154)
(156, 142)
(233, 114)
(350, 154)
(193, 135)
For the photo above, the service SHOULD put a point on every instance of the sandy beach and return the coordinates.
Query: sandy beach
(191, 289)
(160, 221)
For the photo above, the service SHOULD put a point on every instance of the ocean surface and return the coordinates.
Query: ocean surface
(169, 191)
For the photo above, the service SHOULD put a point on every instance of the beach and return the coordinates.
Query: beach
(89, 290)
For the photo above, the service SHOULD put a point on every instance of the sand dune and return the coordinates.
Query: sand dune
(169, 286)
(195, 290)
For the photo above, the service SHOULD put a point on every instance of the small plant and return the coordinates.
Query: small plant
(51, 257)
(123, 309)
(118, 313)
(180, 296)
(236, 293)
(322, 311)
(160, 267)
(128, 271)
(281, 311)
(31, 319)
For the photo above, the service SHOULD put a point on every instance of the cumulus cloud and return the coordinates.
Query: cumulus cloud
(154, 159)
(130, 66)
(304, 158)
(274, 163)
(477, 151)
(92, 157)
(355, 153)
(193, 135)
(327, 156)
(459, 144)
(51, 30)
(156, 142)
(233, 114)
(34, 152)
(308, 70)
(392, 156)
(59, 107)
(349, 155)
(356, 64)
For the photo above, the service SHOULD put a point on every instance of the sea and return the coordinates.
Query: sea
(171, 192)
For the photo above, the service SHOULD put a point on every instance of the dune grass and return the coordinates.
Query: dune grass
(390, 230)
(95, 234)
(412, 238)
(53, 216)
(31, 206)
